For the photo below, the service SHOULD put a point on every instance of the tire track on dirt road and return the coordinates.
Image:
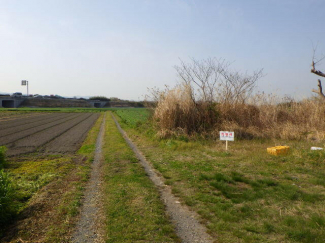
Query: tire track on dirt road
(187, 226)
(88, 228)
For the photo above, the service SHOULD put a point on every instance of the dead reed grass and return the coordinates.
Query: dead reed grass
(177, 113)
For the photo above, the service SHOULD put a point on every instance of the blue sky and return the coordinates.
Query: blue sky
(120, 48)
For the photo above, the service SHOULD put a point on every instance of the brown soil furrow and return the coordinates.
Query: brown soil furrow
(34, 142)
(13, 115)
(46, 136)
(20, 150)
(18, 116)
(39, 139)
(72, 139)
(21, 120)
(185, 221)
(10, 140)
(29, 125)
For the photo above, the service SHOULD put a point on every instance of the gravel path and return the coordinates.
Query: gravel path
(89, 227)
(187, 226)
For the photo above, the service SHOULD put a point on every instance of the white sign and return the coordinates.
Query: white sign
(23, 82)
(227, 136)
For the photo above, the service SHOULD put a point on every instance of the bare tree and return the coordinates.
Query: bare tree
(212, 81)
(318, 73)
(202, 76)
(237, 87)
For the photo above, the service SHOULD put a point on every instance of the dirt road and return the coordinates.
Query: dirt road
(89, 226)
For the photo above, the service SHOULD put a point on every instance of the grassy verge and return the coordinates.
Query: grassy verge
(46, 192)
(245, 195)
(133, 208)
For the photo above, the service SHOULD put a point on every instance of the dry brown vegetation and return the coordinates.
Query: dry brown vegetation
(211, 98)
(286, 120)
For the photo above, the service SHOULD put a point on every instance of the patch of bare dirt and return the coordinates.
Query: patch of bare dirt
(21, 119)
(61, 134)
(71, 140)
(12, 116)
(11, 138)
(25, 124)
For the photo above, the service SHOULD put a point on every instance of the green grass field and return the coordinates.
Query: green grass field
(244, 195)
(133, 117)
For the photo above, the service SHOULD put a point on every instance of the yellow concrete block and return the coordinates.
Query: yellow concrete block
(278, 150)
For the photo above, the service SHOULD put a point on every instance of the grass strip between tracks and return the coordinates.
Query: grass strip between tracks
(132, 204)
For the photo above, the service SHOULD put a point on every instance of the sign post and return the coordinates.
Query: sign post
(227, 136)
(25, 83)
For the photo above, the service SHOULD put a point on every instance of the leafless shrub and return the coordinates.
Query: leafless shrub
(211, 80)
(236, 87)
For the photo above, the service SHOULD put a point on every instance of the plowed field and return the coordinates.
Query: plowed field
(45, 133)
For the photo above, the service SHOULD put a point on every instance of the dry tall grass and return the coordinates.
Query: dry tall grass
(293, 120)
(177, 113)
